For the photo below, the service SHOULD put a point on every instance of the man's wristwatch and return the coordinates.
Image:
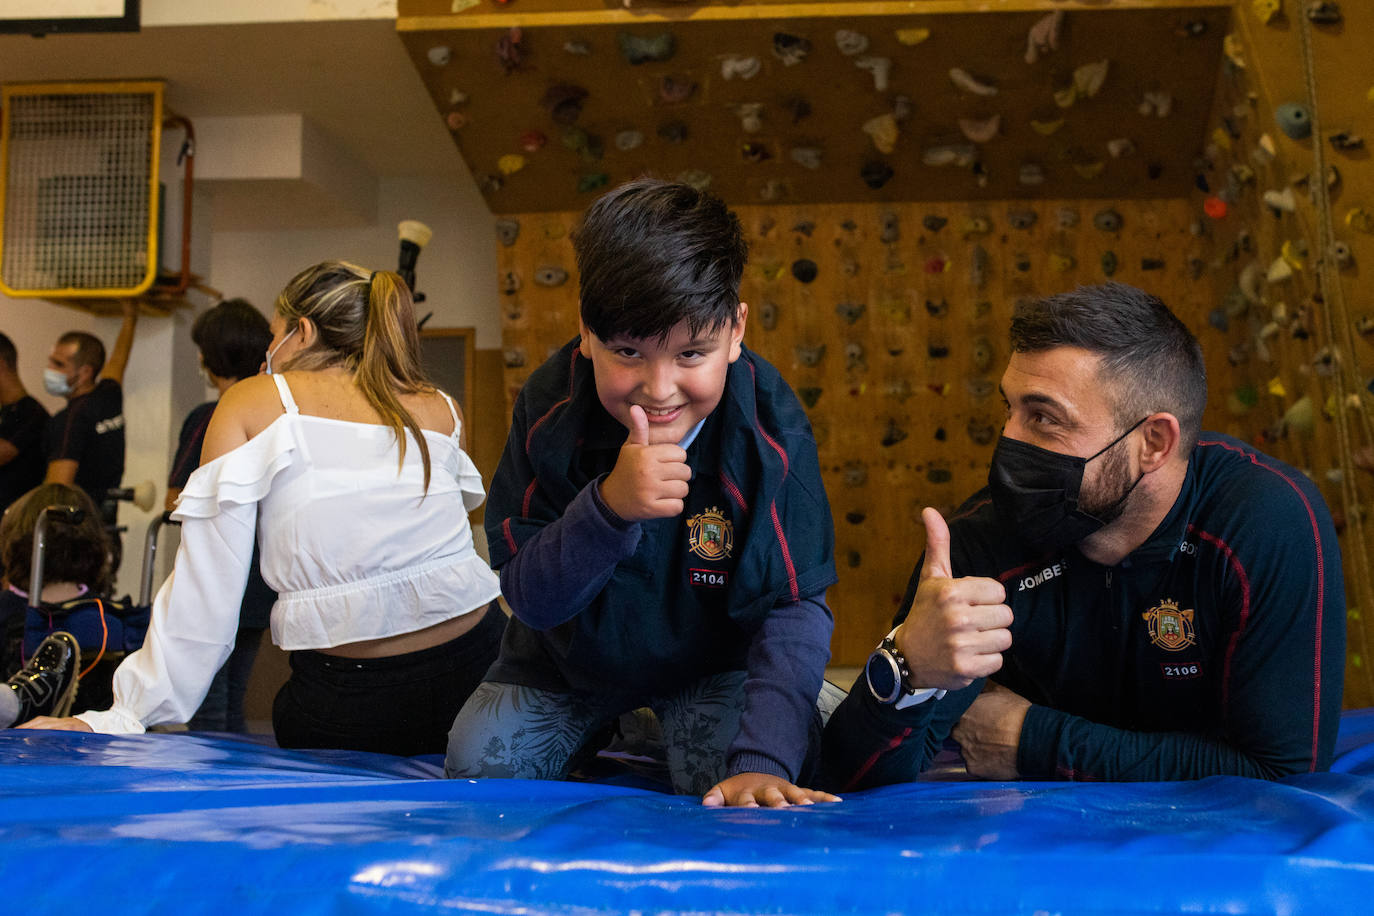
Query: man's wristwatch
(889, 677)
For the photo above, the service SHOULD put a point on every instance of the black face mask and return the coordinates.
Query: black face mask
(1036, 491)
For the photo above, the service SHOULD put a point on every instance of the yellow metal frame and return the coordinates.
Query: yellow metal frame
(116, 87)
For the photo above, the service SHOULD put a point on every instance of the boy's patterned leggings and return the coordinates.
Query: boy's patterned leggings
(510, 732)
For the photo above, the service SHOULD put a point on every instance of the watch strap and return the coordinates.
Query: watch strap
(909, 696)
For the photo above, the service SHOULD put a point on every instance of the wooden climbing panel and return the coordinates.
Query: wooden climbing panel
(689, 110)
(896, 345)
(1289, 367)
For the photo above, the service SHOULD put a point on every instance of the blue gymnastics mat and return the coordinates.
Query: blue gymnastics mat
(186, 824)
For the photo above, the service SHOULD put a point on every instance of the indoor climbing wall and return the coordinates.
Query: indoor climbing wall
(890, 322)
(550, 101)
(906, 171)
(1051, 143)
(1288, 335)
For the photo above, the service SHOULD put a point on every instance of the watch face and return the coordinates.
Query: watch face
(883, 679)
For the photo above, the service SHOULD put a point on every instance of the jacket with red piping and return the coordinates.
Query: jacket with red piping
(645, 608)
(1216, 647)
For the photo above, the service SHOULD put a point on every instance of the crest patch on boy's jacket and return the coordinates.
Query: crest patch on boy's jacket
(710, 534)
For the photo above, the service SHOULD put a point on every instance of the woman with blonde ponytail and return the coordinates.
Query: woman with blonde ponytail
(348, 465)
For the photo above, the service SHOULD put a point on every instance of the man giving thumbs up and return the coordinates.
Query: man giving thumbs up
(1149, 601)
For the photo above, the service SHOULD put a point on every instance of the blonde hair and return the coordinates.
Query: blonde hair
(365, 324)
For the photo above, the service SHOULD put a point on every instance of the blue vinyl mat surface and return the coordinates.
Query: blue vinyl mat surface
(187, 824)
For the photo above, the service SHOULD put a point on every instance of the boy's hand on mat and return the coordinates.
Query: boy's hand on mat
(649, 481)
(989, 733)
(69, 724)
(754, 790)
(957, 629)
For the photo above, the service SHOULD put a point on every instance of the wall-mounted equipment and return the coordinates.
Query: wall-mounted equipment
(78, 188)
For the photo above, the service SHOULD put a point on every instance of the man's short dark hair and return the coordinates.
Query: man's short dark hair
(652, 254)
(89, 350)
(233, 338)
(8, 355)
(1150, 361)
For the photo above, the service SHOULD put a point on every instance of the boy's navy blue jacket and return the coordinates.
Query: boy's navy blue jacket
(1216, 647)
(735, 583)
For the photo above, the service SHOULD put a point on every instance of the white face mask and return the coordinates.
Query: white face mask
(273, 351)
(56, 383)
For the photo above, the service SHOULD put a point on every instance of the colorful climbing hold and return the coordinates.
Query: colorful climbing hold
(644, 49)
(507, 231)
(1107, 220)
(876, 173)
(969, 83)
(809, 356)
(592, 182)
(1360, 219)
(850, 312)
(790, 49)
(1294, 119)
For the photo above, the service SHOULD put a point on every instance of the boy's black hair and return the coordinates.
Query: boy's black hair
(652, 254)
(233, 338)
(1150, 360)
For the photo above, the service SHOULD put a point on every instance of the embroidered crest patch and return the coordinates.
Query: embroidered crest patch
(710, 535)
(1170, 628)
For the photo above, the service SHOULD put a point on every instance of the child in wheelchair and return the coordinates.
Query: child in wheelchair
(74, 579)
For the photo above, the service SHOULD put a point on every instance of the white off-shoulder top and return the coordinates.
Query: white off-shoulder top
(354, 548)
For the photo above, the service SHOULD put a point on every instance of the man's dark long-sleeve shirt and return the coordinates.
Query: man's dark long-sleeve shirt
(1216, 647)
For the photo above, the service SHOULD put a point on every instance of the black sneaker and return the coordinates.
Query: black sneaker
(46, 686)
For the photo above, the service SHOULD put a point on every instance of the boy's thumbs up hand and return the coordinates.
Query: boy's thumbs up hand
(639, 426)
(956, 629)
(649, 481)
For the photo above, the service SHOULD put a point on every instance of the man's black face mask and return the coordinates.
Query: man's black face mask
(1036, 493)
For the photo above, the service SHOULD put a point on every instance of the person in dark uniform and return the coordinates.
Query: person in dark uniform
(1130, 598)
(22, 421)
(85, 440)
(660, 525)
(232, 337)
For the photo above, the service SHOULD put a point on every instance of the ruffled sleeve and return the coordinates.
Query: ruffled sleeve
(244, 475)
(196, 612)
(469, 481)
(194, 623)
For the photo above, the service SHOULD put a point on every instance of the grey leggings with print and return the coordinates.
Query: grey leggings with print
(505, 731)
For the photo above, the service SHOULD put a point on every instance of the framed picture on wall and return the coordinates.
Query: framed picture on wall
(449, 357)
(40, 17)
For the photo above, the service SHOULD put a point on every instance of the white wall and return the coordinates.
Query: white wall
(455, 270)
(224, 12)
